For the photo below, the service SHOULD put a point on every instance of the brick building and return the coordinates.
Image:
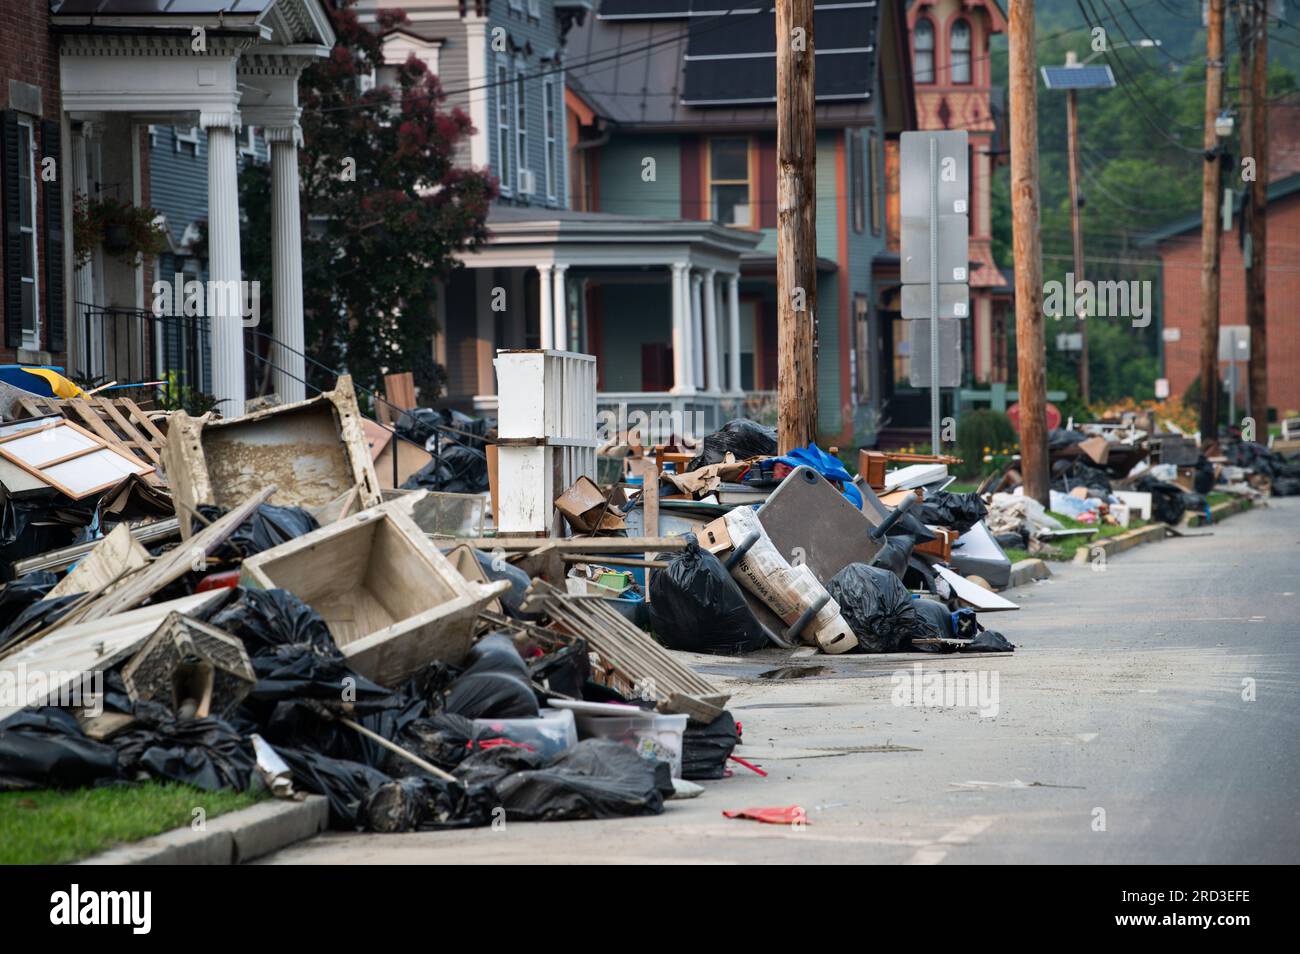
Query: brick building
(35, 252)
(1178, 248)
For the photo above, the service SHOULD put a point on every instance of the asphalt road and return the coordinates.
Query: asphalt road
(1150, 715)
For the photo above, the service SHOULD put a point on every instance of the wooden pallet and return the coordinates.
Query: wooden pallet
(116, 420)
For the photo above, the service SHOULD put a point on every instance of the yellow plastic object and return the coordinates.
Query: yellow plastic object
(61, 386)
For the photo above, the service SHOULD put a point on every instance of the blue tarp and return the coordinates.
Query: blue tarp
(826, 465)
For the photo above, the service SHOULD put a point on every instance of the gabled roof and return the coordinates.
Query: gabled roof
(1277, 189)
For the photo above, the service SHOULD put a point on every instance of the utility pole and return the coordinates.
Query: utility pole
(1027, 248)
(1254, 145)
(1076, 226)
(1210, 224)
(796, 226)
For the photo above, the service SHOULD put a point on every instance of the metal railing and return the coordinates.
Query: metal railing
(135, 347)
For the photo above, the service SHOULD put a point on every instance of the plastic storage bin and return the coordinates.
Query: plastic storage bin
(653, 736)
(549, 734)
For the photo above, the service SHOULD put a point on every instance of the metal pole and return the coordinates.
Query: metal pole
(934, 296)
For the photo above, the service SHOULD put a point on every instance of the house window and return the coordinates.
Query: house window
(186, 136)
(857, 170)
(729, 185)
(521, 131)
(27, 231)
(923, 44)
(552, 138)
(504, 167)
(902, 354)
(875, 182)
(861, 358)
(534, 9)
(959, 51)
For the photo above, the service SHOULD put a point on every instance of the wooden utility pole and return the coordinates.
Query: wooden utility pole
(1254, 145)
(796, 226)
(1076, 226)
(1210, 225)
(1031, 351)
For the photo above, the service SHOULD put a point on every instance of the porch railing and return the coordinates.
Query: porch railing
(133, 346)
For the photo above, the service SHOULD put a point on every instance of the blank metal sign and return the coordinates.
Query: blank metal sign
(954, 301)
(949, 353)
(914, 174)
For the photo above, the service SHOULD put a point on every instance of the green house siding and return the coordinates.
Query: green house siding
(632, 315)
(624, 190)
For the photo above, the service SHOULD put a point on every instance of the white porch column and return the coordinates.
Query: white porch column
(286, 265)
(83, 279)
(697, 332)
(546, 323)
(733, 327)
(682, 380)
(711, 331)
(226, 332)
(561, 308)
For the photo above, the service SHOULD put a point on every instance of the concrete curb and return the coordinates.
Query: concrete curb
(1219, 512)
(1026, 571)
(1120, 542)
(229, 839)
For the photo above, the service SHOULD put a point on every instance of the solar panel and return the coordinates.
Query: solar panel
(731, 59)
(1078, 77)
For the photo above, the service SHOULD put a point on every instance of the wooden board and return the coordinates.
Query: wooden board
(68, 457)
(103, 568)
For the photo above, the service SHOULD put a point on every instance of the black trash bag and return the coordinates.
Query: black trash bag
(1013, 539)
(706, 748)
(1195, 503)
(495, 685)
(1068, 474)
(269, 526)
(206, 753)
(38, 615)
(425, 803)
(45, 748)
(1167, 503)
(1059, 438)
(491, 695)
(490, 764)
(597, 778)
(934, 620)
(422, 423)
(959, 512)
(893, 556)
(496, 569)
(1285, 487)
(1203, 482)
(288, 673)
(38, 525)
(444, 739)
(346, 784)
(876, 605)
(17, 596)
(563, 671)
(742, 437)
(696, 606)
(266, 619)
(431, 683)
(455, 469)
(988, 641)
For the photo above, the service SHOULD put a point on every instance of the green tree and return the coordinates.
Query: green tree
(386, 207)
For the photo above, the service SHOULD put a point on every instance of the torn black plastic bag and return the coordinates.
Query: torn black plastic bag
(959, 512)
(933, 621)
(497, 761)
(597, 778)
(988, 641)
(444, 739)
(266, 619)
(876, 605)
(45, 748)
(345, 784)
(564, 671)
(455, 469)
(38, 615)
(706, 748)
(696, 606)
(206, 753)
(425, 803)
(269, 526)
(495, 569)
(742, 437)
(16, 596)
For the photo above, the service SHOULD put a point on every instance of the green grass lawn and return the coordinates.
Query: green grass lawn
(54, 827)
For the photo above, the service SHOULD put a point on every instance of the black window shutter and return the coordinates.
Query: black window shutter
(13, 243)
(52, 193)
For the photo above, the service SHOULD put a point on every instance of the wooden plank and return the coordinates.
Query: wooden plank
(174, 564)
(574, 544)
(92, 420)
(134, 438)
(140, 417)
(112, 555)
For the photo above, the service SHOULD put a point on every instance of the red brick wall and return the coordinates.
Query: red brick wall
(29, 53)
(1181, 295)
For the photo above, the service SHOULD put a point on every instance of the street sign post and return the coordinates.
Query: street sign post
(934, 206)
